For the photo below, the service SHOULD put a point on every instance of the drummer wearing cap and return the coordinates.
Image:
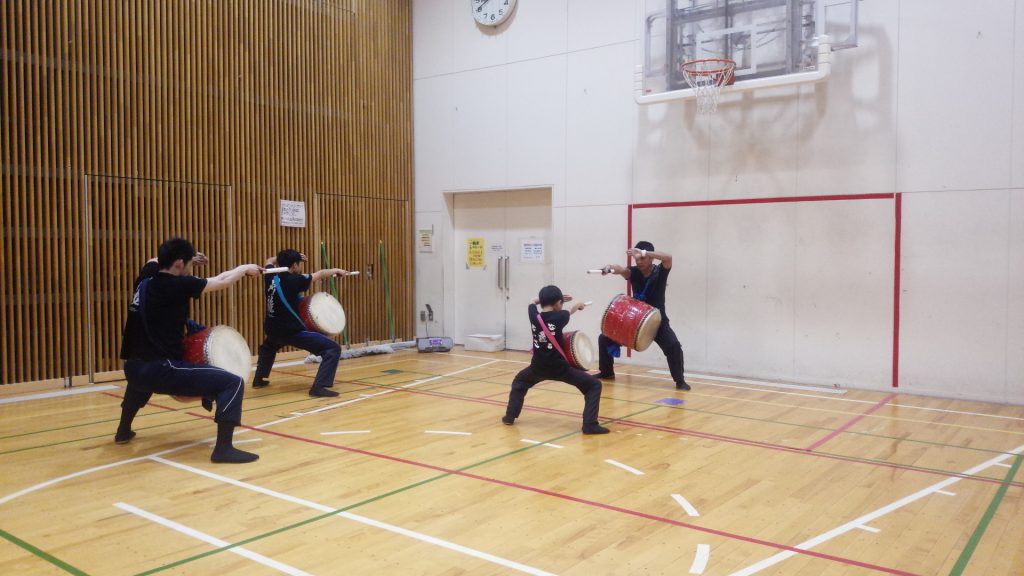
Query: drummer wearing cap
(152, 345)
(648, 281)
(283, 327)
(549, 362)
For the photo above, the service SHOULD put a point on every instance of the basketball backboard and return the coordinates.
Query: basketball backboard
(765, 38)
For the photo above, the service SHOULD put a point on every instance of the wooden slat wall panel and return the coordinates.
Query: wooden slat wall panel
(195, 117)
(352, 240)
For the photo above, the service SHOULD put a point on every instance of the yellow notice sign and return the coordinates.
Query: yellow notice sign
(475, 252)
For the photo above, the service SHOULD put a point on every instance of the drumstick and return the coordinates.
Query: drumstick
(355, 273)
(597, 271)
(275, 270)
(588, 302)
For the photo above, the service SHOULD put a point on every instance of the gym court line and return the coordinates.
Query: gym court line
(445, 472)
(710, 436)
(574, 415)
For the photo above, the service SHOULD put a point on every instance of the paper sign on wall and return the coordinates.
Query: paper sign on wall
(474, 252)
(531, 250)
(293, 214)
(426, 240)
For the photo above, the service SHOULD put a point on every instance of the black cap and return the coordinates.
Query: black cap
(549, 295)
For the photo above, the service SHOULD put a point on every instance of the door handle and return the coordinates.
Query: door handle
(508, 283)
(500, 287)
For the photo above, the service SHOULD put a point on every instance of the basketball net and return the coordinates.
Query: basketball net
(706, 77)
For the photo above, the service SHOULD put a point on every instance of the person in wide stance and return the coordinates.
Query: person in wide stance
(283, 326)
(549, 362)
(152, 345)
(648, 281)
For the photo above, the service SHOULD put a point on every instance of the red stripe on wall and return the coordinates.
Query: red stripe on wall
(629, 242)
(776, 200)
(898, 226)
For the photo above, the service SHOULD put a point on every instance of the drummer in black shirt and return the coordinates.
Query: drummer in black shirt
(152, 345)
(283, 327)
(648, 281)
(548, 363)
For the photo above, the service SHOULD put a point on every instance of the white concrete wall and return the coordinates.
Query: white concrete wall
(794, 291)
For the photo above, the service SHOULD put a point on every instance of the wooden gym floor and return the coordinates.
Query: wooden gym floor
(410, 471)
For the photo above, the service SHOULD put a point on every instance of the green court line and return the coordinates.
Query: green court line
(986, 518)
(362, 387)
(689, 408)
(41, 554)
(684, 408)
(370, 500)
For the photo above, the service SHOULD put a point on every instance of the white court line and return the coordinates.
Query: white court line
(391, 391)
(447, 432)
(361, 519)
(709, 377)
(852, 524)
(757, 382)
(629, 469)
(548, 444)
(345, 432)
(869, 528)
(1004, 465)
(236, 442)
(700, 559)
(685, 504)
(58, 394)
(944, 493)
(281, 567)
(59, 479)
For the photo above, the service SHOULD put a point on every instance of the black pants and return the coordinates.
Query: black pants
(180, 378)
(665, 339)
(585, 383)
(312, 342)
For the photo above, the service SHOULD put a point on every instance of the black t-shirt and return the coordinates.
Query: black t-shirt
(545, 357)
(279, 320)
(159, 335)
(651, 289)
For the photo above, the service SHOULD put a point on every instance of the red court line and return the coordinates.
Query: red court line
(147, 403)
(774, 200)
(584, 501)
(721, 438)
(706, 435)
(856, 419)
(898, 231)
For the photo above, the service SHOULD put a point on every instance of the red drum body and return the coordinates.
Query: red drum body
(630, 322)
(322, 313)
(579, 349)
(222, 347)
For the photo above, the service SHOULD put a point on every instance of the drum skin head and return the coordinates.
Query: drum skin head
(326, 313)
(630, 322)
(648, 330)
(583, 351)
(227, 349)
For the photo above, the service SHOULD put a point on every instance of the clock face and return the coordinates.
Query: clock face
(492, 12)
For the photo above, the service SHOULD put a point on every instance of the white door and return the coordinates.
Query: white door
(501, 261)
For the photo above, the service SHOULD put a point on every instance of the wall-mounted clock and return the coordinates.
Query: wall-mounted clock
(492, 12)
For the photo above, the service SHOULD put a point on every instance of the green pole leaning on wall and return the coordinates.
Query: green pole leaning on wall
(334, 287)
(387, 289)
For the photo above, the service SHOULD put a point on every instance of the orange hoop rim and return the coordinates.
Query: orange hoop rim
(728, 65)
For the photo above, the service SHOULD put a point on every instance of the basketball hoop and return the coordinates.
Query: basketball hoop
(706, 77)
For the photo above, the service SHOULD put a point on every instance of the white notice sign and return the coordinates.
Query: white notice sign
(293, 214)
(532, 250)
